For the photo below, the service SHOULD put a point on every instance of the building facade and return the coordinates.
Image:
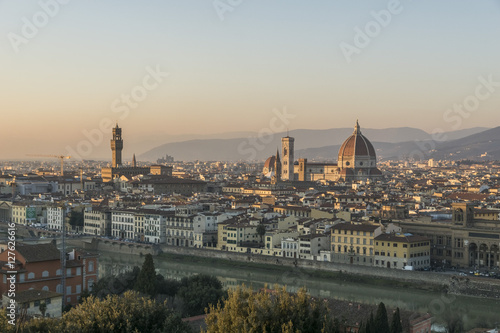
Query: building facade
(398, 251)
(97, 222)
(353, 243)
(288, 158)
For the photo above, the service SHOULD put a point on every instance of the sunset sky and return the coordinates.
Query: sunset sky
(230, 63)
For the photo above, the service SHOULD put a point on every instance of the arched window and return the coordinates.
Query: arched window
(45, 273)
(58, 272)
(45, 288)
(59, 288)
(31, 275)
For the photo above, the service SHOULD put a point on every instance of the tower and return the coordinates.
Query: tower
(287, 147)
(463, 213)
(134, 162)
(116, 147)
(277, 169)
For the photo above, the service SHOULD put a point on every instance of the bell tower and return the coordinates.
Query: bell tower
(116, 147)
(287, 147)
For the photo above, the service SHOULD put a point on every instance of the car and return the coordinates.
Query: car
(462, 274)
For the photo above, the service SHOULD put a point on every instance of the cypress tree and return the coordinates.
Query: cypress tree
(146, 280)
(361, 328)
(370, 325)
(396, 323)
(381, 321)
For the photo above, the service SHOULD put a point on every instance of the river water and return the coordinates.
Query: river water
(475, 312)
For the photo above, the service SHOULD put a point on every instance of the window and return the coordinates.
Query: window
(68, 271)
(45, 273)
(21, 277)
(78, 289)
(68, 290)
(78, 271)
(31, 276)
(45, 288)
(91, 266)
(59, 288)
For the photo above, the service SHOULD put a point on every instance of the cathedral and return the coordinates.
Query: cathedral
(356, 161)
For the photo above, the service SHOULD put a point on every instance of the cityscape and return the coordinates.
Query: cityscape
(230, 166)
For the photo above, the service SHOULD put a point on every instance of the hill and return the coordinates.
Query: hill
(313, 144)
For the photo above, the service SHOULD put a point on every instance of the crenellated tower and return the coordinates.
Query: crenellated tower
(117, 147)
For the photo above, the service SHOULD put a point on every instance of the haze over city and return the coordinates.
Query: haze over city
(210, 68)
(250, 166)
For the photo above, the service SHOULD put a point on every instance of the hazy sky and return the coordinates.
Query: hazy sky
(67, 67)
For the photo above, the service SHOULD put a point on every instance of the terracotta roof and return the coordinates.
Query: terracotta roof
(38, 252)
(34, 295)
(401, 238)
(356, 227)
(356, 145)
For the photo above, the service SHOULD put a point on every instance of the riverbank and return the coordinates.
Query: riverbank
(343, 287)
(296, 268)
(339, 276)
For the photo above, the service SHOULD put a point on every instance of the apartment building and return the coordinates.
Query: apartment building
(354, 242)
(400, 250)
(97, 222)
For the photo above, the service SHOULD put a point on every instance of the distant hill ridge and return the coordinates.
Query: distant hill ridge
(390, 143)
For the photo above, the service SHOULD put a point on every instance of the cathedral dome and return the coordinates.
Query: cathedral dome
(357, 151)
(269, 165)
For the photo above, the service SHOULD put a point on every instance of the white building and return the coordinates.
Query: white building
(97, 222)
(122, 224)
(311, 245)
(55, 217)
(205, 228)
(290, 247)
(155, 227)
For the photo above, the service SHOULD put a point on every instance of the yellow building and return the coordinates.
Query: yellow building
(354, 243)
(232, 236)
(398, 251)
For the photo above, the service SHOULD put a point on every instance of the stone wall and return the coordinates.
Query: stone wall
(398, 274)
(473, 286)
(120, 247)
(469, 286)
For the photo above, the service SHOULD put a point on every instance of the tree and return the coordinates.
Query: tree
(116, 284)
(146, 280)
(168, 287)
(381, 321)
(84, 294)
(454, 322)
(246, 311)
(43, 308)
(126, 313)
(261, 231)
(198, 292)
(370, 326)
(396, 326)
(76, 218)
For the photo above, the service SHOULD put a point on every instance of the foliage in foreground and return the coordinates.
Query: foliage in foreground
(245, 311)
(126, 313)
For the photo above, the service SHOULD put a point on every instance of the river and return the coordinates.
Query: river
(475, 312)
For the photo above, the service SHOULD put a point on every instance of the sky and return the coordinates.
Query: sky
(72, 69)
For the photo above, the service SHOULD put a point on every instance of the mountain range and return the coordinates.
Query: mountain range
(323, 145)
